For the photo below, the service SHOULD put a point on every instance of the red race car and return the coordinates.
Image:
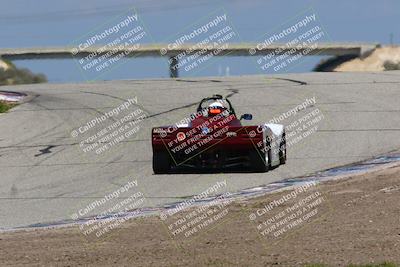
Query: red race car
(213, 139)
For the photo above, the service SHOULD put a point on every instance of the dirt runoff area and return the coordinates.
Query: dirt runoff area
(349, 221)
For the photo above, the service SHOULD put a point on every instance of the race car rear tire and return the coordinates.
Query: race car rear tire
(161, 162)
(260, 161)
(282, 150)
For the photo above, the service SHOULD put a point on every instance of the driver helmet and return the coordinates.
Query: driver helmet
(215, 108)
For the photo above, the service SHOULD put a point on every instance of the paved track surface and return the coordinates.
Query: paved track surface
(46, 177)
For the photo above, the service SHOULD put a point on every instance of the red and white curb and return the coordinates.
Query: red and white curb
(11, 96)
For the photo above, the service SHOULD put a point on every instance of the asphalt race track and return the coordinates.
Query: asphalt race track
(47, 177)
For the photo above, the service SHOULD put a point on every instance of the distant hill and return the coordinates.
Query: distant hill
(381, 59)
(10, 74)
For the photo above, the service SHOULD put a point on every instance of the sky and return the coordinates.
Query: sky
(38, 23)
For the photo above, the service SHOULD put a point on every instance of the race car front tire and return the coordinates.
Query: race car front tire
(260, 160)
(161, 162)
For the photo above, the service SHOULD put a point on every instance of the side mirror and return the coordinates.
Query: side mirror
(247, 117)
